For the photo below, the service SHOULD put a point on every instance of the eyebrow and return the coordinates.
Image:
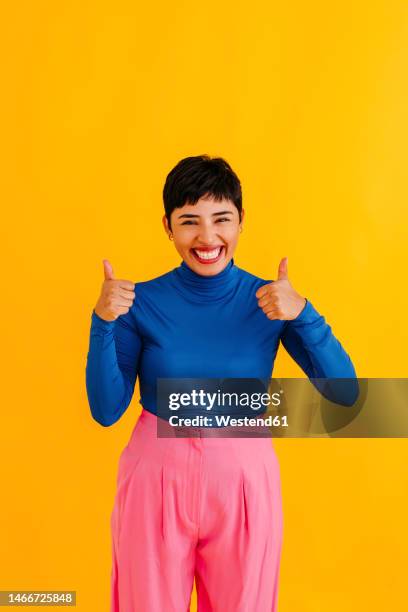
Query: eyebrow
(189, 215)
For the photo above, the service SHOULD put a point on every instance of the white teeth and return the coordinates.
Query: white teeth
(208, 254)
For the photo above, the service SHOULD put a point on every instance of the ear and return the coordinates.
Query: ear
(242, 215)
(166, 224)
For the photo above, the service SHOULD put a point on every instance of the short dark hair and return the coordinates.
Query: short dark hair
(198, 176)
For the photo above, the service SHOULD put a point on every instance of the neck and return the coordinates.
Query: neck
(216, 286)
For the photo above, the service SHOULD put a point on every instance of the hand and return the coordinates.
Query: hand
(116, 296)
(278, 299)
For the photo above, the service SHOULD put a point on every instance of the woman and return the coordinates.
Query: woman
(202, 507)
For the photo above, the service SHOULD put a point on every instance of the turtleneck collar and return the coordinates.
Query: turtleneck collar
(211, 288)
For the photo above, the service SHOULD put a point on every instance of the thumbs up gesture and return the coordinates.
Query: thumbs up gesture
(278, 299)
(116, 295)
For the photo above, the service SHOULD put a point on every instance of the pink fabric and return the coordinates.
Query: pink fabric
(208, 507)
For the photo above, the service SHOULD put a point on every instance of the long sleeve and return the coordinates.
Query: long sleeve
(112, 366)
(311, 343)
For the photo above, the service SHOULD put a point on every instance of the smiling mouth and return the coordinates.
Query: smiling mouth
(208, 256)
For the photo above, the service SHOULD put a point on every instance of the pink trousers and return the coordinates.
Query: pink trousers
(207, 508)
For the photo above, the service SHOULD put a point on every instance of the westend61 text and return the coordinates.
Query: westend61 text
(227, 421)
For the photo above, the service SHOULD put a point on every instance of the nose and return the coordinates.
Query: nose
(207, 235)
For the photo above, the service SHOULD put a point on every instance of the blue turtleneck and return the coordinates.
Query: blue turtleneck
(184, 325)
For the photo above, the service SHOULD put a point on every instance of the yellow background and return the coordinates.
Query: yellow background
(308, 102)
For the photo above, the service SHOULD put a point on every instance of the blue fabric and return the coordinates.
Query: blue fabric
(184, 325)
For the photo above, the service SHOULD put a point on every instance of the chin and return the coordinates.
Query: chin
(209, 270)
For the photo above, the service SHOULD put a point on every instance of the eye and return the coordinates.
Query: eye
(189, 223)
(223, 219)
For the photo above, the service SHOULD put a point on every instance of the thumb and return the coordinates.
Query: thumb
(283, 269)
(108, 270)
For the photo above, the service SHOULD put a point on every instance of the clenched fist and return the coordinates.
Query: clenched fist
(116, 296)
(278, 299)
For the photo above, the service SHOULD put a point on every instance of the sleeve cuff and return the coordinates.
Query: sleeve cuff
(99, 323)
(308, 315)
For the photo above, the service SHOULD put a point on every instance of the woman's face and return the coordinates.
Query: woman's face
(205, 234)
